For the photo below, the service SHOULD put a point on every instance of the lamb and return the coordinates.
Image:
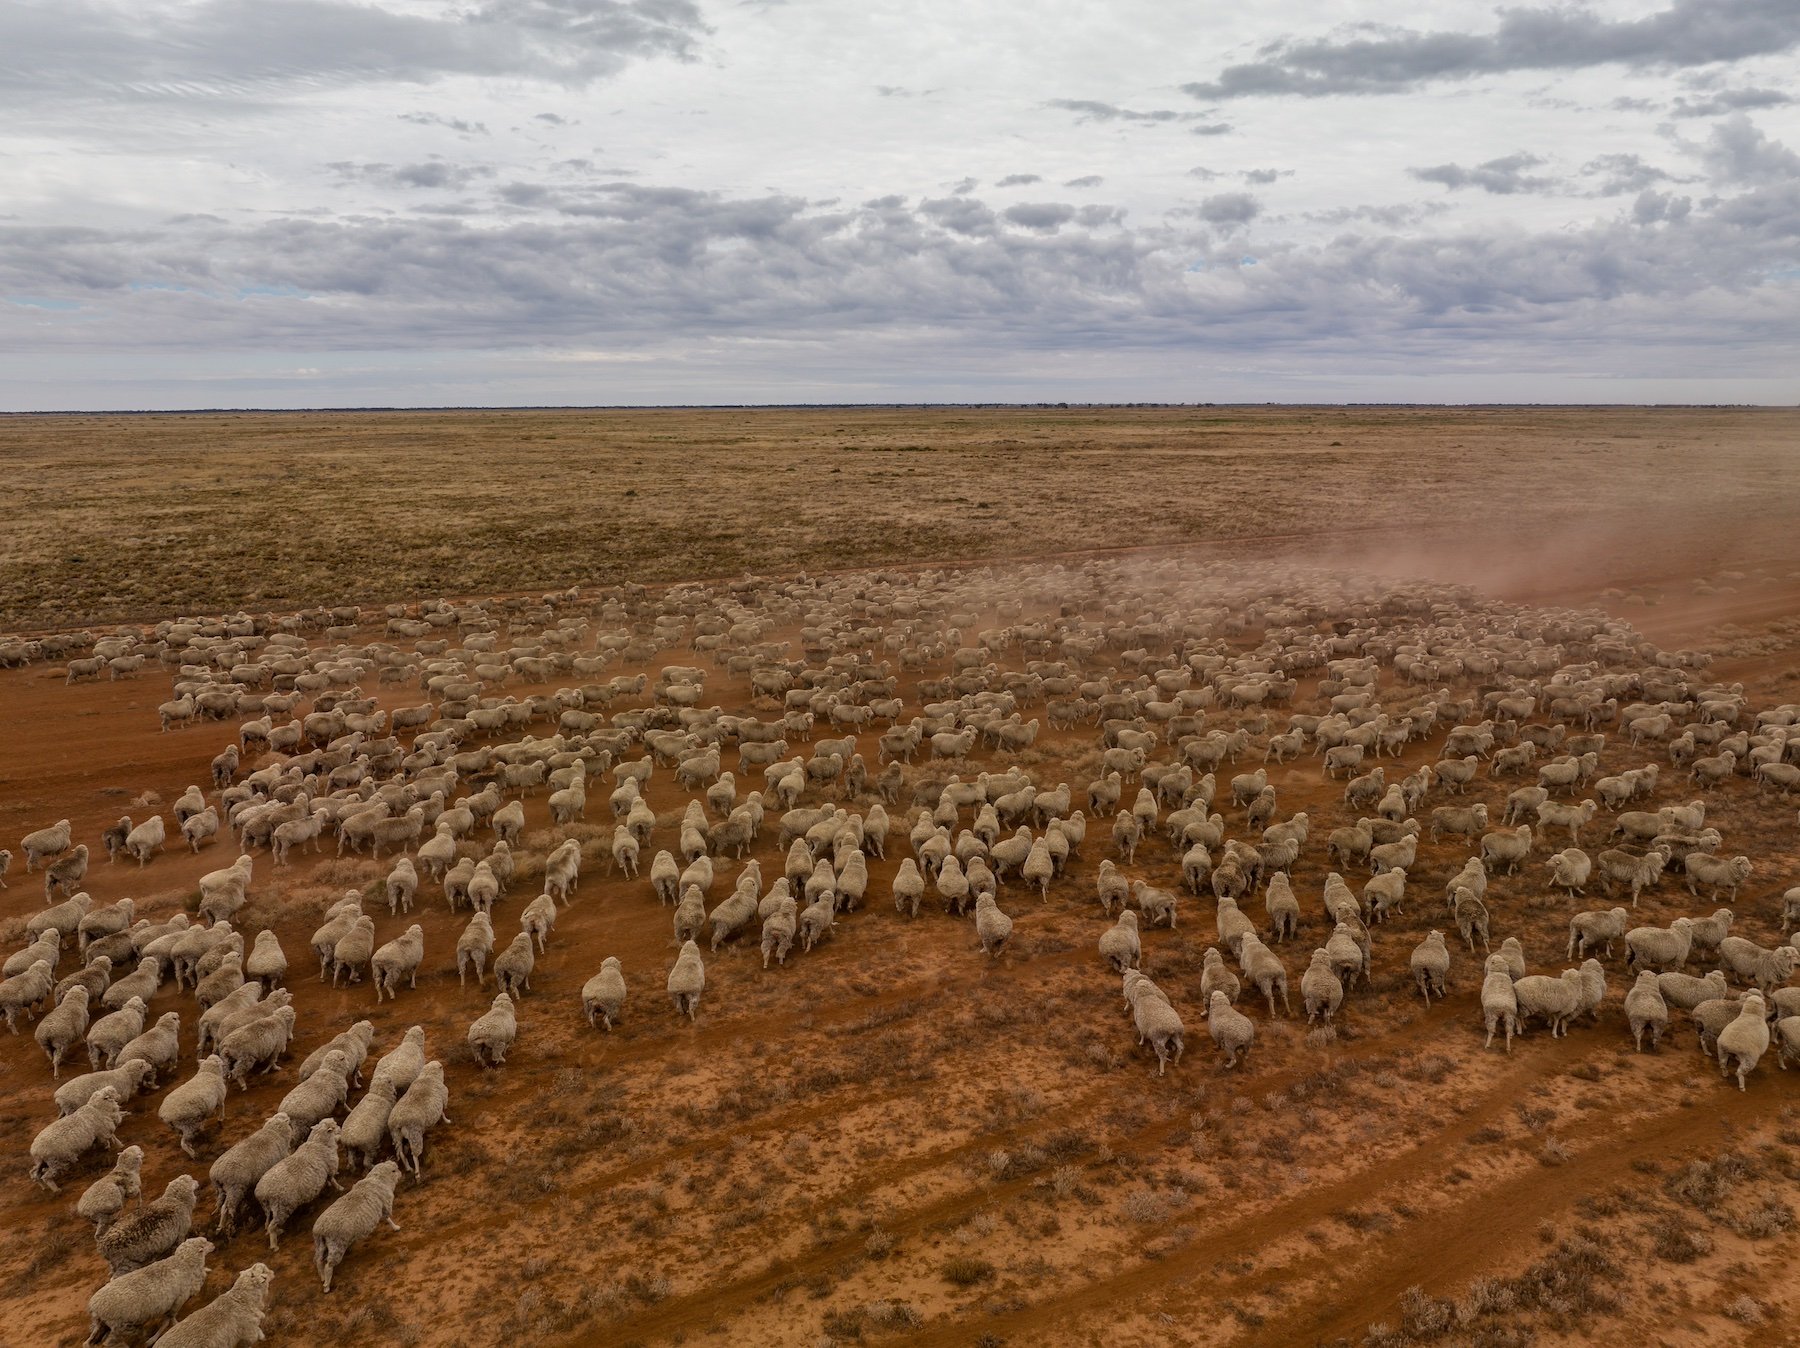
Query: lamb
(399, 958)
(1595, 928)
(1232, 1031)
(493, 1033)
(233, 1319)
(105, 1198)
(513, 966)
(44, 843)
(147, 839)
(1119, 944)
(1215, 977)
(298, 1178)
(63, 1027)
(992, 926)
(62, 1142)
(1430, 965)
(604, 993)
(1660, 947)
(1320, 989)
(1646, 1009)
(151, 1295)
(238, 1171)
(1499, 1002)
(1715, 873)
(416, 1113)
(1556, 1000)
(354, 1217)
(474, 947)
(687, 980)
(153, 1232)
(1506, 848)
(1751, 963)
(188, 1108)
(1745, 1040)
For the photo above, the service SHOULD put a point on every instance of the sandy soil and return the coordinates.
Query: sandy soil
(895, 1140)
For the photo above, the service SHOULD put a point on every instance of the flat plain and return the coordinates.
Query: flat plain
(895, 1137)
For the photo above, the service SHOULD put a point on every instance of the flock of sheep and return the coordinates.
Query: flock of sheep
(873, 714)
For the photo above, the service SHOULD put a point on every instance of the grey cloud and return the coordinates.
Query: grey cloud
(960, 215)
(456, 124)
(1203, 173)
(1652, 207)
(1230, 209)
(1731, 100)
(966, 186)
(1086, 180)
(1373, 59)
(1018, 180)
(259, 49)
(1394, 216)
(430, 173)
(1091, 110)
(1214, 129)
(1044, 216)
(1503, 176)
(1738, 152)
(1263, 177)
(1624, 173)
(552, 119)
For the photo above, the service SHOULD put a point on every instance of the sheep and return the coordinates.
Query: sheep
(1157, 1023)
(147, 839)
(1119, 944)
(64, 919)
(1595, 928)
(992, 927)
(354, 1217)
(687, 980)
(1385, 858)
(1215, 977)
(416, 1113)
(1282, 908)
(46, 946)
(238, 1170)
(399, 958)
(1232, 1031)
(103, 1200)
(1384, 894)
(26, 991)
(474, 947)
(562, 870)
(1265, 971)
(149, 1296)
(513, 966)
(1660, 947)
(1430, 965)
(1321, 991)
(154, 1231)
(1745, 1040)
(818, 921)
(1787, 1035)
(1552, 814)
(222, 891)
(353, 1043)
(1499, 1002)
(1715, 873)
(353, 950)
(1506, 848)
(1646, 1009)
(1556, 1000)
(494, 1032)
(1570, 869)
(224, 978)
(1458, 821)
(1154, 904)
(365, 1127)
(189, 1106)
(1751, 963)
(160, 1045)
(6, 860)
(1707, 932)
(1624, 868)
(63, 1027)
(298, 1178)
(233, 1319)
(1686, 992)
(44, 843)
(1522, 804)
(603, 995)
(258, 1046)
(1471, 916)
(66, 873)
(127, 1081)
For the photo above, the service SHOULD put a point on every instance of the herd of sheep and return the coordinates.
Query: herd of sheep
(885, 735)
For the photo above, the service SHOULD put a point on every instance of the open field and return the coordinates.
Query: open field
(113, 516)
(894, 1137)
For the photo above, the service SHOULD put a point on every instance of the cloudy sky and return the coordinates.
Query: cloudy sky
(413, 202)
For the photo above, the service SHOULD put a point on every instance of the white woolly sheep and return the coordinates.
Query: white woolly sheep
(1660, 947)
(1321, 991)
(1232, 1031)
(150, 1296)
(513, 966)
(298, 1178)
(399, 958)
(1555, 1000)
(1742, 1043)
(1646, 1009)
(1119, 944)
(687, 980)
(236, 1173)
(191, 1105)
(1499, 1002)
(154, 1231)
(422, 1108)
(1596, 928)
(992, 927)
(603, 995)
(354, 1217)
(233, 1319)
(1430, 964)
(103, 1200)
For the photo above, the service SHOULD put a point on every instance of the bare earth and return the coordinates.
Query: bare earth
(893, 1138)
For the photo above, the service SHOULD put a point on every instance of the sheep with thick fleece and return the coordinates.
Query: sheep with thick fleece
(44, 843)
(1232, 1031)
(687, 981)
(603, 995)
(493, 1033)
(474, 947)
(1215, 977)
(399, 958)
(1119, 943)
(150, 1296)
(1158, 1023)
(1751, 963)
(1499, 1001)
(1321, 991)
(1660, 947)
(354, 1217)
(258, 1046)
(103, 1200)
(63, 1027)
(353, 1043)
(423, 1107)
(1506, 847)
(189, 1107)
(298, 1178)
(154, 1231)
(233, 1319)
(1265, 971)
(1430, 964)
(1596, 928)
(237, 1172)
(1555, 1000)
(1637, 873)
(992, 926)
(61, 1143)
(1715, 873)
(147, 839)
(513, 966)
(1646, 1009)
(1742, 1043)
(365, 1127)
